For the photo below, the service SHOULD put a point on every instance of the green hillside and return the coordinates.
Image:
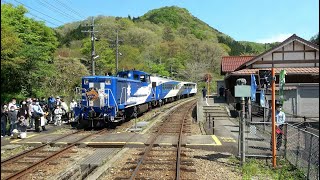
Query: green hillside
(38, 61)
(167, 41)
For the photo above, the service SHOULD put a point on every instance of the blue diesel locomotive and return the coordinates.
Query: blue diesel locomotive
(107, 100)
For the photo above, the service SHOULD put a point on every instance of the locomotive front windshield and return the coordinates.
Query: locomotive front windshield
(143, 77)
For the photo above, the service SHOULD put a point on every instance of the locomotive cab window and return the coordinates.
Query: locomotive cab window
(148, 78)
(144, 78)
(136, 77)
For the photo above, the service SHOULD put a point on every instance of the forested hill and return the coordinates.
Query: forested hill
(177, 19)
(39, 61)
(168, 41)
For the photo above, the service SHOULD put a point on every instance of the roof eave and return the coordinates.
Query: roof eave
(288, 40)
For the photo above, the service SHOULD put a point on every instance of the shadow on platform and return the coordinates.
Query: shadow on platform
(218, 99)
(213, 157)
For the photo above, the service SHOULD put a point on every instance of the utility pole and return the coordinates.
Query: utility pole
(273, 114)
(93, 55)
(117, 41)
(117, 51)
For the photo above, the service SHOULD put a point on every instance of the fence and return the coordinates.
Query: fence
(298, 146)
(302, 150)
(294, 143)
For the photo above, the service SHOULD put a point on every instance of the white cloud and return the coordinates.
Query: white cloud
(275, 38)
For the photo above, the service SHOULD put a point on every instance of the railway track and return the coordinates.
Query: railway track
(169, 161)
(18, 166)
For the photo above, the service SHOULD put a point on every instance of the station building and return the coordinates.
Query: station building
(300, 59)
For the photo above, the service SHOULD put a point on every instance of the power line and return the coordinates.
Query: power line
(74, 6)
(42, 19)
(35, 15)
(117, 41)
(93, 39)
(39, 12)
(55, 9)
(69, 8)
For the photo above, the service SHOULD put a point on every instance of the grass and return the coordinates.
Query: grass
(262, 169)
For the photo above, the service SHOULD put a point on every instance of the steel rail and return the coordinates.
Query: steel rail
(148, 149)
(32, 167)
(179, 144)
(25, 153)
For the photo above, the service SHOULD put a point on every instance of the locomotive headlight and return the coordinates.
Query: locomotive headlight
(108, 81)
(86, 81)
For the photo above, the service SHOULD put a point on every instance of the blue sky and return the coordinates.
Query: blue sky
(249, 20)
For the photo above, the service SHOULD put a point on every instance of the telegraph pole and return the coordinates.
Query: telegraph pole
(117, 41)
(273, 114)
(93, 55)
(117, 51)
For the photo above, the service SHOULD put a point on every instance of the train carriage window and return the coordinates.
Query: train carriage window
(142, 78)
(136, 77)
(154, 84)
(148, 78)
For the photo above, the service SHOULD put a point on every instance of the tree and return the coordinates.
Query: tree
(26, 53)
(168, 34)
(106, 60)
(315, 39)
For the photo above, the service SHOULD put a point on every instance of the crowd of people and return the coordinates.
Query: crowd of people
(33, 113)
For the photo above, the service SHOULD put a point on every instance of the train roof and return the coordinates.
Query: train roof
(128, 74)
(133, 72)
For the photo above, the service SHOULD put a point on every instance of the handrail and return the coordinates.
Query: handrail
(287, 114)
(109, 90)
(303, 130)
(125, 95)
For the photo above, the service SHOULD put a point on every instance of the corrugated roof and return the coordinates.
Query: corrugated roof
(231, 63)
(307, 70)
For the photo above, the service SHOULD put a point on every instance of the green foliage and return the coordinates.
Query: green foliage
(159, 69)
(26, 53)
(255, 168)
(172, 16)
(37, 60)
(244, 47)
(67, 75)
(74, 34)
(315, 39)
(106, 61)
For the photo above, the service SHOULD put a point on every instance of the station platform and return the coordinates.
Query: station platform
(124, 139)
(222, 138)
(215, 118)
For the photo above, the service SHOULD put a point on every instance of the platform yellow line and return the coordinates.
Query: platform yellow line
(104, 142)
(203, 144)
(61, 143)
(135, 143)
(17, 140)
(218, 143)
(33, 142)
(170, 144)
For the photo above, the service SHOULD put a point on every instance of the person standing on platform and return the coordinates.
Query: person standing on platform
(37, 113)
(57, 115)
(13, 119)
(221, 91)
(4, 117)
(204, 92)
(51, 106)
(31, 118)
(24, 110)
(73, 104)
(65, 109)
(280, 121)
